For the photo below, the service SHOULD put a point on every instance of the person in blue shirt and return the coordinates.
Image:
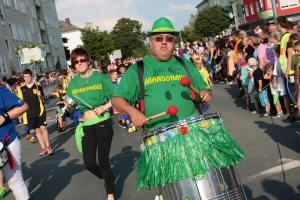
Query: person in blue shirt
(11, 107)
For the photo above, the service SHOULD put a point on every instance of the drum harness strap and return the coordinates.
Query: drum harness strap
(11, 160)
(140, 69)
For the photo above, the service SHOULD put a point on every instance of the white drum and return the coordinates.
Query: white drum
(69, 100)
(3, 155)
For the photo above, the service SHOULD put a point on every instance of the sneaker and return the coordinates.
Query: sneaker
(230, 83)
(49, 151)
(266, 114)
(134, 128)
(43, 152)
(124, 125)
(28, 136)
(120, 124)
(255, 112)
(60, 129)
(278, 116)
(2, 193)
(130, 130)
(222, 82)
(33, 140)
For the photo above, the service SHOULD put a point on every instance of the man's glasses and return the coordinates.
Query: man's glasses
(161, 38)
(83, 60)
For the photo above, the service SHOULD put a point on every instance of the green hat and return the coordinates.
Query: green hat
(162, 25)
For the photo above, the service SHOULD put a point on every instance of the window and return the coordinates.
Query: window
(257, 7)
(285, 4)
(33, 12)
(12, 3)
(22, 7)
(7, 2)
(27, 4)
(44, 65)
(16, 5)
(13, 31)
(3, 66)
(251, 9)
(46, 19)
(49, 60)
(31, 25)
(8, 50)
(1, 14)
(54, 60)
(50, 40)
(262, 5)
(246, 11)
(38, 34)
(270, 4)
(28, 34)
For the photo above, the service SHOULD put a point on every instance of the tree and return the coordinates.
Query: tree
(210, 22)
(128, 36)
(98, 43)
(188, 33)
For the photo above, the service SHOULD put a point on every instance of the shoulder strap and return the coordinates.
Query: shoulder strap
(183, 64)
(140, 69)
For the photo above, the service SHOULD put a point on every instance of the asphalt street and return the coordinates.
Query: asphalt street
(270, 171)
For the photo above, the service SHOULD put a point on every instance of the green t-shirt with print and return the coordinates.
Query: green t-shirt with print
(162, 89)
(94, 93)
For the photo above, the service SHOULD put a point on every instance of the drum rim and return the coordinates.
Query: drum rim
(179, 123)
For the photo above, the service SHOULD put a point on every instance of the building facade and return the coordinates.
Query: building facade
(27, 22)
(201, 6)
(260, 12)
(71, 34)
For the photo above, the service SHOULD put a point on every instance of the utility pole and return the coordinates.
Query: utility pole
(274, 10)
(235, 15)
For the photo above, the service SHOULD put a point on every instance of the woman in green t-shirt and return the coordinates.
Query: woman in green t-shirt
(90, 90)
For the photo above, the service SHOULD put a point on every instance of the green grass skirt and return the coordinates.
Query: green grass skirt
(177, 154)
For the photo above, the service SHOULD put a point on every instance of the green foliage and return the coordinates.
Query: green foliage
(141, 52)
(188, 33)
(210, 22)
(128, 36)
(98, 43)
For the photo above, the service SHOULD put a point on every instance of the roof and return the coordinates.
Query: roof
(66, 26)
(204, 1)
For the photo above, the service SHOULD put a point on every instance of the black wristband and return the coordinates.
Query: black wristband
(6, 116)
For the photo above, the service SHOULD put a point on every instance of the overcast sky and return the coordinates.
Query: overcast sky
(106, 13)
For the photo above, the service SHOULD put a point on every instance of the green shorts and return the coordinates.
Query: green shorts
(275, 98)
(59, 111)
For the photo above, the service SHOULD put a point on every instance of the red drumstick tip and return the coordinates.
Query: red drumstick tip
(185, 81)
(172, 110)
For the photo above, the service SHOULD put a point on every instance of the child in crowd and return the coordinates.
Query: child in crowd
(199, 65)
(296, 66)
(207, 58)
(122, 70)
(276, 89)
(261, 86)
(252, 91)
(60, 93)
(244, 76)
(113, 75)
(230, 62)
(242, 63)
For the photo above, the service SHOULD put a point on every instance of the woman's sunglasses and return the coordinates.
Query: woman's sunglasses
(83, 60)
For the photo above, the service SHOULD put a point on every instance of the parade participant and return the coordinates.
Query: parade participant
(91, 90)
(11, 107)
(161, 82)
(32, 93)
(66, 78)
(59, 93)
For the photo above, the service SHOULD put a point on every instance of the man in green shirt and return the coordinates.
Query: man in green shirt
(161, 159)
(162, 74)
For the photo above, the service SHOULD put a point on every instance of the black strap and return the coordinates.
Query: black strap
(183, 64)
(140, 66)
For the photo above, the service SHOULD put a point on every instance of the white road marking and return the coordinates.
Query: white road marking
(51, 108)
(274, 170)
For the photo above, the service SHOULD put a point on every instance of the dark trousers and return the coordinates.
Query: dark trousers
(99, 136)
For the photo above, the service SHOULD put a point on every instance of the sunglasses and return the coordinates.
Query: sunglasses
(161, 38)
(83, 60)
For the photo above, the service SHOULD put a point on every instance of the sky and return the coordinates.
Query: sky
(105, 13)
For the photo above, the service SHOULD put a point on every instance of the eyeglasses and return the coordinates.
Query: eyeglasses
(83, 60)
(161, 38)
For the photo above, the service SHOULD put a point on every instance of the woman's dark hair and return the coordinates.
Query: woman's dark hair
(79, 52)
(221, 44)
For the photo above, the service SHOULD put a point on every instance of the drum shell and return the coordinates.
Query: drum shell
(69, 100)
(217, 184)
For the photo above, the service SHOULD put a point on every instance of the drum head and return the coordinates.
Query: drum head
(1, 146)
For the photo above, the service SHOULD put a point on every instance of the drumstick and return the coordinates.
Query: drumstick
(85, 103)
(172, 110)
(186, 82)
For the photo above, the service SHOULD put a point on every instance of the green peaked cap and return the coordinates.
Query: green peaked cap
(162, 25)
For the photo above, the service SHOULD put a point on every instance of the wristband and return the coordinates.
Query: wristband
(6, 116)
